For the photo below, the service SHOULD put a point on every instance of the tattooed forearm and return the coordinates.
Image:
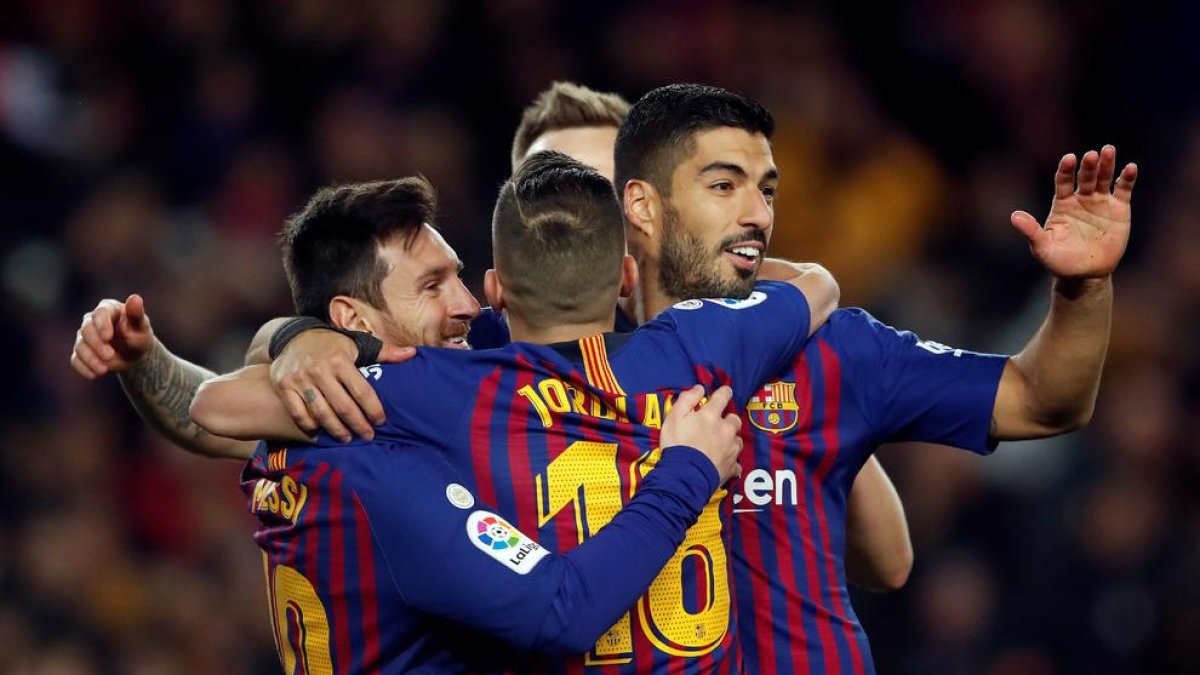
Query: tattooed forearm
(161, 387)
(166, 386)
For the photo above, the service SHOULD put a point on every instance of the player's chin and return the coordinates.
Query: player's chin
(741, 283)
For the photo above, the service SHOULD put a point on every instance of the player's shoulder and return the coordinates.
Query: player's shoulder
(440, 362)
(856, 332)
(364, 459)
(762, 298)
(853, 322)
(489, 330)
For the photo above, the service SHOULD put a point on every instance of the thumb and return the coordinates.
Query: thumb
(135, 311)
(394, 354)
(1027, 225)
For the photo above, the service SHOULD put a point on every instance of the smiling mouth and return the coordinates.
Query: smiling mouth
(744, 256)
(456, 342)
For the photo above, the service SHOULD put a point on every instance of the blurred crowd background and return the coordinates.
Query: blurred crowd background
(156, 145)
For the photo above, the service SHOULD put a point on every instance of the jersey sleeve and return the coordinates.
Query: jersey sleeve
(919, 390)
(751, 339)
(452, 557)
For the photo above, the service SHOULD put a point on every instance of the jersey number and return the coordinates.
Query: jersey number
(585, 476)
(299, 621)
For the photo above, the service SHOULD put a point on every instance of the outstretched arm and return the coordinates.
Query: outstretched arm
(117, 337)
(879, 553)
(1050, 387)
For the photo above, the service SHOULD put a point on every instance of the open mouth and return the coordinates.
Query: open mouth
(456, 342)
(745, 256)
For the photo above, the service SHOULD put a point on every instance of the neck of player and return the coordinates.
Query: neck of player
(522, 332)
(647, 299)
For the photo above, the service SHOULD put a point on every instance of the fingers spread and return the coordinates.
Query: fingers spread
(1027, 225)
(1064, 179)
(1089, 168)
(1108, 164)
(1124, 188)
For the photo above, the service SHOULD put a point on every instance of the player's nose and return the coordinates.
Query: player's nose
(756, 211)
(463, 305)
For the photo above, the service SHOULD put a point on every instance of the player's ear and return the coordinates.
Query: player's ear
(493, 290)
(629, 275)
(643, 208)
(349, 314)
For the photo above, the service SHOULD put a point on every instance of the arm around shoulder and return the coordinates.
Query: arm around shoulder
(244, 405)
(817, 283)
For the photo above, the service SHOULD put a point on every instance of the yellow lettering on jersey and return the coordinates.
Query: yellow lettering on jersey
(273, 498)
(578, 404)
(538, 405)
(652, 413)
(622, 408)
(600, 409)
(555, 395)
(294, 496)
(267, 498)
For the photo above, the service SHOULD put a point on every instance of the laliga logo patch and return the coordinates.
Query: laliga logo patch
(730, 303)
(504, 543)
(773, 408)
(460, 496)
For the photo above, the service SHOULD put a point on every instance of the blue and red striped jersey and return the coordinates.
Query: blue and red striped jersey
(552, 441)
(364, 578)
(858, 383)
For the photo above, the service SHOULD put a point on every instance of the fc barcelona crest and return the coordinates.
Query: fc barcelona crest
(773, 409)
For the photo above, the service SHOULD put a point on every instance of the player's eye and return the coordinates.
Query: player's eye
(769, 193)
(723, 187)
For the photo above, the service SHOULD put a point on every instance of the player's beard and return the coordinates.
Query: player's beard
(687, 270)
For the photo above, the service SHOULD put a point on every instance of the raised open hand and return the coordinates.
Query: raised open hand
(1088, 226)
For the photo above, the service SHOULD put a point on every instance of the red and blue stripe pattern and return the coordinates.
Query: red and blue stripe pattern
(510, 449)
(789, 578)
(327, 553)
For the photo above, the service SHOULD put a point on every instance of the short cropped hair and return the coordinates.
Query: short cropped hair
(558, 236)
(565, 105)
(659, 131)
(331, 246)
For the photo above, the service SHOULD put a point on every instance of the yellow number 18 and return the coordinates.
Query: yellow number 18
(585, 476)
